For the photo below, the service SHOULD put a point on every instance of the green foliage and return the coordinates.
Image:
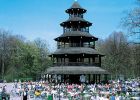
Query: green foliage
(20, 58)
(121, 57)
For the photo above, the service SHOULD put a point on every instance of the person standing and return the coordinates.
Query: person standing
(24, 95)
(0, 90)
(112, 96)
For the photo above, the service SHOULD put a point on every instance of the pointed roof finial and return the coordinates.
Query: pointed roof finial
(75, 6)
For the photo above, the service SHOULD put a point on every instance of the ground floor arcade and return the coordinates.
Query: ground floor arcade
(76, 74)
(66, 78)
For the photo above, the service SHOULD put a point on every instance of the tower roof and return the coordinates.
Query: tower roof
(76, 70)
(74, 20)
(85, 35)
(77, 50)
(76, 6)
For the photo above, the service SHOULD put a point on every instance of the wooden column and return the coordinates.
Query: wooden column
(64, 61)
(93, 59)
(89, 61)
(80, 43)
(94, 78)
(57, 60)
(89, 78)
(99, 78)
(105, 77)
(100, 61)
(69, 78)
(61, 60)
(64, 78)
(88, 44)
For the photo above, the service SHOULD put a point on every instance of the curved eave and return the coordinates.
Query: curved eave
(74, 21)
(76, 70)
(75, 10)
(76, 34)
(68, 24)
(66, 38)
(64, 55)
(76, 50)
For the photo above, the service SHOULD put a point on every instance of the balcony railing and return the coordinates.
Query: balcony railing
(76, 64)
(65, 30)
(78, 15)
(75, 45)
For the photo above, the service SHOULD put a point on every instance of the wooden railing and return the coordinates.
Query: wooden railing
(76, 45)
(76, 64)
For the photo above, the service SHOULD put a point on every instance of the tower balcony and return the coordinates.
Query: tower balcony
(85, 29)
(75, 15)
(76, 64)
(67, 45)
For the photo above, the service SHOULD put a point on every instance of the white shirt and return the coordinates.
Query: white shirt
(0, 90)
(97, 97)
(117, 98)
(29, 86)
(82, 78)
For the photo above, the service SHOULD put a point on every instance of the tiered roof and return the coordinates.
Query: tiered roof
(75, 21)
(85, 35)
(76, 31)
(76, 7)
(76, 70)
(76, 50)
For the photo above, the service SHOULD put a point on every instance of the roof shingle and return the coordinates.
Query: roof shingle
(76, 70)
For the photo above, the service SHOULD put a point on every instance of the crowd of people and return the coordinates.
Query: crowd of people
(114, 90)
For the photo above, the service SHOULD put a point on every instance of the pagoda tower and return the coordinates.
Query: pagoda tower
(76, 59)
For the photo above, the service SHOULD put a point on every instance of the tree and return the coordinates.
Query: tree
(4, 51)
(132, 22)
(44, 60)
(20, 58)
(135, 61)
(117, 54)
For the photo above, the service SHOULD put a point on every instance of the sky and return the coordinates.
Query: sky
(41, 18)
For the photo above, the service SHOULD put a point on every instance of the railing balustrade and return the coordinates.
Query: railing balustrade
(74, 45)
(75, 64)
(76, 29)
